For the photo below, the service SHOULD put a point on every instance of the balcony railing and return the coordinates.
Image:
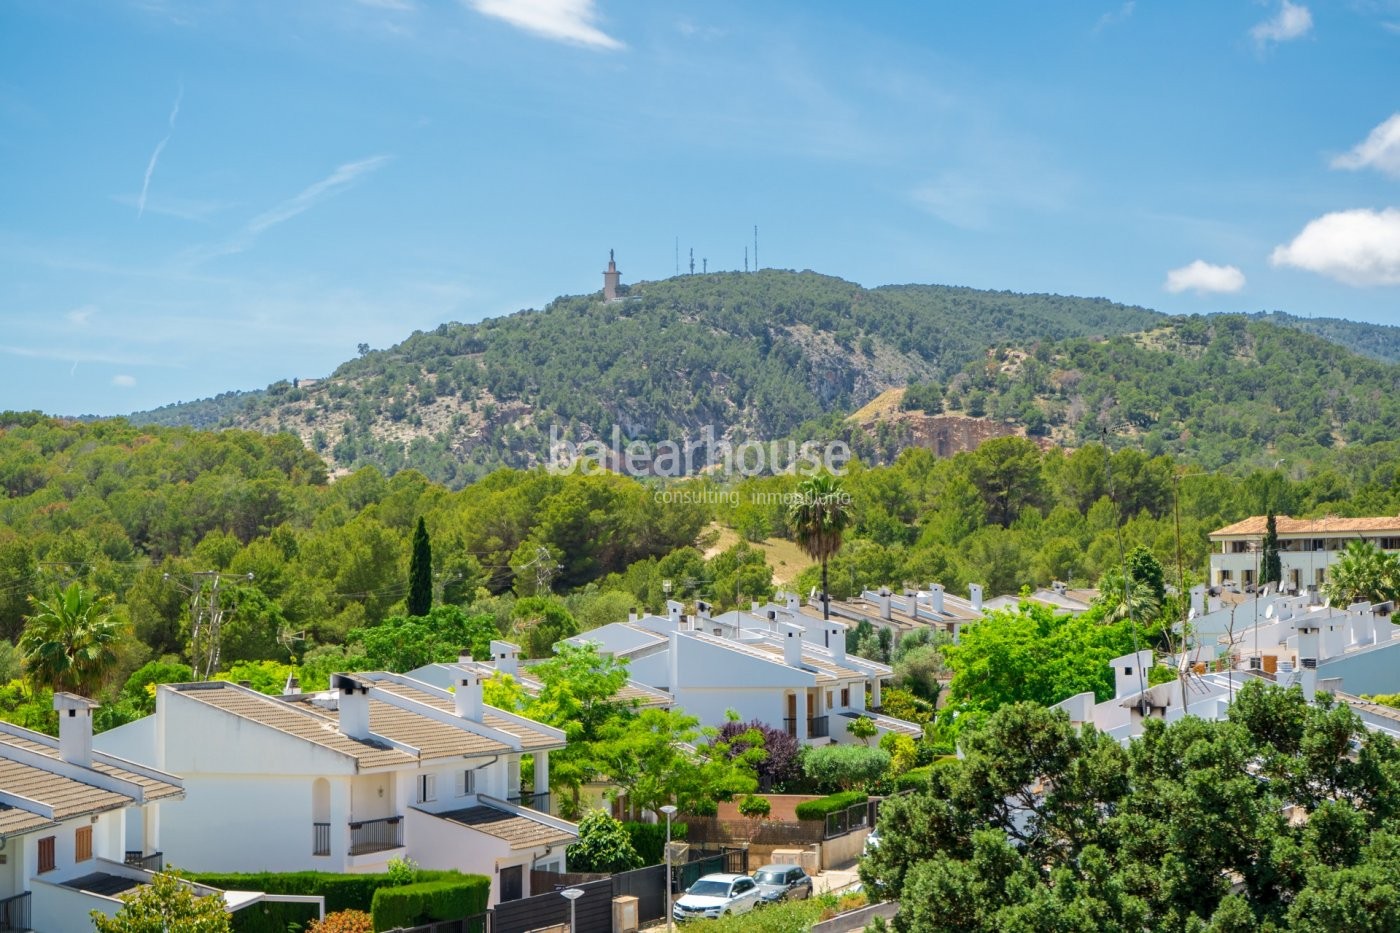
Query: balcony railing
(14, 912)
(376, 835)
(320, 838)
(155, 861)
(538, 802)
(790, 726)
(817, 727)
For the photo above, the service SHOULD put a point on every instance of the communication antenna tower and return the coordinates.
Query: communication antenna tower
(704, 266)
(746, 259)
(692, 260)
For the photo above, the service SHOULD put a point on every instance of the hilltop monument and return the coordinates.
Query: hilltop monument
(610, 279)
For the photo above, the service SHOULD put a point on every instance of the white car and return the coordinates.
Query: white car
(715, 896)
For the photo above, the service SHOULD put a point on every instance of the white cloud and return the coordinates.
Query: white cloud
(569, 21)
(1202, 277)
(123, 381)
(155, 156)
(1380, 150)
(1293, 21)
(79, 317)
(1358, 247)
(343, 178)
(1114, 16)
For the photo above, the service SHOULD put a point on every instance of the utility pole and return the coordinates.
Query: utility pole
(206, 617)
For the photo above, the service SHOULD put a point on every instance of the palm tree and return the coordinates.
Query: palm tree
(819, 515)
(1363, 572)
(69, 641)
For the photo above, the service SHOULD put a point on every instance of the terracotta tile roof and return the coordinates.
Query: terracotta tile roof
(520, 831)
(154, 789)
(530, 739)
(69, 798)
(1320, 527)
(433, 739)
(826, 670)
(296, 719)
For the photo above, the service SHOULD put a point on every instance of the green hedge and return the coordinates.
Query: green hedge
(342, 892)
(649, 839)
(426, 901)
(914, 778)
(818, 809)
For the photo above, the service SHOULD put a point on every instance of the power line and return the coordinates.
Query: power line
(206, 617)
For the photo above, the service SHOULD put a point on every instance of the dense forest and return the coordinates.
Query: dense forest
(131, 514)
(1222, 391)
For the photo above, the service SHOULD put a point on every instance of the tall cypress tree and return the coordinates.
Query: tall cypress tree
(420, 572)
(1271, 565)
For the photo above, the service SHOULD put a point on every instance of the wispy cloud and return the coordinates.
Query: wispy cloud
(155, 156)
(568, 21)
(181, 208)
(338, 181)
(1380, 150)
(124, 381)
(1203, 278)
(1358, 247)
(79, 317)
(1113, 17)
(1292, 21)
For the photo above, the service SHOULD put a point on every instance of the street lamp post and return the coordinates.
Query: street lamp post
(670, 882)
(573, 894)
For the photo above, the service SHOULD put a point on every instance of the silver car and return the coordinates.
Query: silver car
(782, 882)
(715, 896)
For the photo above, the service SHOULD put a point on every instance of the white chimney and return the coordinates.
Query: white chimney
(352, 705)
(1198, 598)
(632, 616)
(753, 607)
(1130, 673)
(794, 602)
(673, 612)
(792, 643)
(1308, 637)
(836, 641)
(506, 657)
(882, 599)
(935, 597)
(292, 687)
(74, 728)
(468, 694)
(702, 609)
(974, 592)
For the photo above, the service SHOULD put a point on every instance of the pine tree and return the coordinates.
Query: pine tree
(1271, 565)
(420, 572)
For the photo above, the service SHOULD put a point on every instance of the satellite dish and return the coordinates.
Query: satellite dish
(1269, 613)
(1191, 615)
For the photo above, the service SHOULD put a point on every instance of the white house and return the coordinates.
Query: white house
(783, 667)
(1307, 547)
(505, 659)
(379, 766)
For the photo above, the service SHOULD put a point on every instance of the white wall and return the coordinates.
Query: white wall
(652, 669)
(443, 845)
(56, 909)
(710, 705)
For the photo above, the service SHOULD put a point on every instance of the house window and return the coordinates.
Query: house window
(845, 696)
(82, 844)
(427, 788)
(47, 859)
(466, 783)
(1127, 672)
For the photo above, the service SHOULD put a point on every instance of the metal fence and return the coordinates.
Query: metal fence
(592, 911)
(14, 912)
(848, 820)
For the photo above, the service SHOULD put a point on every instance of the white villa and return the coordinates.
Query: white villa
(776, 663)
(1307, 547)
(380, 766)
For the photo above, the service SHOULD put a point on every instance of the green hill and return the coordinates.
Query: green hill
(1219, 390)
(754, 355)
(1378, 341)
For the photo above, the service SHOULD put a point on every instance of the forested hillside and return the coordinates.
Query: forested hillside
(1378, 341)
(1221, 390)
(751, 355)
(130, 513)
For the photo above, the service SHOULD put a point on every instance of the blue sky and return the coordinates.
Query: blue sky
(203, 196)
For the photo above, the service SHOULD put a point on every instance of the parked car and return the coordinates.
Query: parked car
(716, 895)
(872, 842)
(782, 882)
